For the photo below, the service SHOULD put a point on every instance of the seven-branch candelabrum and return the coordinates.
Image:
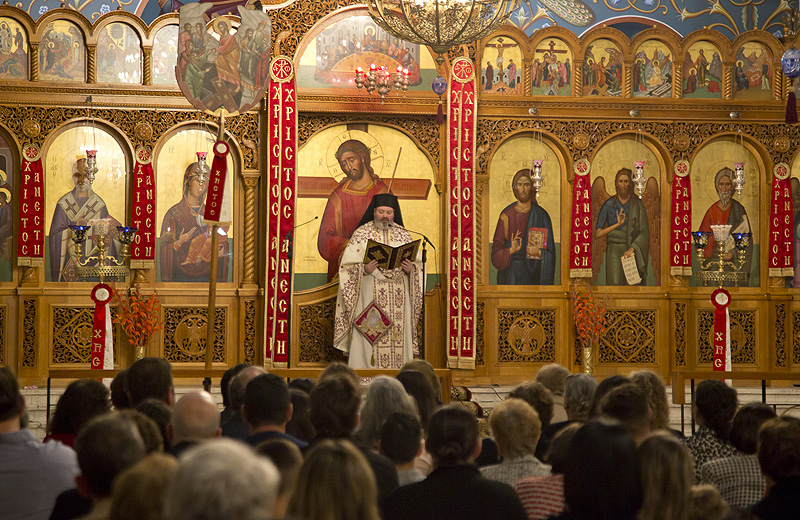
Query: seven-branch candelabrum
(714, 268)
(102, 264)
(381, 80)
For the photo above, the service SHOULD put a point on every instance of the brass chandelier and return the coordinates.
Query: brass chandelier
(441, 24)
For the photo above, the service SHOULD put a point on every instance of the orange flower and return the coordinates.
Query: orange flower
(139, 316)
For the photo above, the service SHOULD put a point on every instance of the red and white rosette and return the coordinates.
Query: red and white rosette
(102, 336)
(722, 330)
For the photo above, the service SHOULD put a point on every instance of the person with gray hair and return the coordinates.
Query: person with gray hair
(385, 395)
(222, 479)
(554, 377)
(578, 394)
(236, 427)
(195, 418)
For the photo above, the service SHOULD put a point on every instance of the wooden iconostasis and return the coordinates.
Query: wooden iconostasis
(552, 96)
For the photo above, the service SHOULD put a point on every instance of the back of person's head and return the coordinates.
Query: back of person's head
(554, 377)
(140, 492)
(11, 403)
(667, 476)
(225, 383)
(147, 428)
(302, 383)
(119, 391)
(539, 397)
(746, 423)
(385, 395)
(603, 388)
(656, 394)
(779, 448)
(287, 458)
(150, 378)
(82, 401)
(715, 403)
(452, 436)
(601, 477)
(195, 418)
(222, 478)
(705, 503)
(420, 365)
(336, 369)
(558, 452)
(334, 407)
(160, 413)
(418, 387)
(335, 483)
(106, 446)
(401, 436)
(238, 385)
(266, 401)
(516, 428)
(300, 424)
(578, 393)
(628, 405)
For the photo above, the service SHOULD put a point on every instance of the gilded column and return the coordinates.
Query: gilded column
(250, 183)
(92, 63)
(628, 79)
(677, 81)
(577, 81)
(727, 89)
(34, 61)
(147, 60)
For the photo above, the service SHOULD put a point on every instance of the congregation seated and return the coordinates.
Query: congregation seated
(82, 401)
(195, 419)
(288, 458)
(539, 397)
(140, 492)
(385, 395)
(779, 458)
(400, 442)
(150, 378)
(554, 377)
(160, 413)
(667, 475)
(267, 408)
(235, 427)
(656, 393)
(714, 407)
(627, 404)
(516, 429)
(578, 394)
(738, 478)
(299, 426)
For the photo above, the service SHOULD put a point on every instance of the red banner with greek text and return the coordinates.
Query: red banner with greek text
(216, 183)
(102, 357)
(281, 205)
(143, 192)
(722, 330)
(580, 252)
(781, 217)
(461, 125)
(30, 241)
(680, 239)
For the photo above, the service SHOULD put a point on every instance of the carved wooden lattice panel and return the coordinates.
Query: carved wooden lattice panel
(743, 336)
(185, 334)
(680, 334)
(250, 331)
(526, 335)
(29, 334)
(72, 335)
(316, 333)
(796, 337)
(630, 337)
(780, 335)
(480, 341)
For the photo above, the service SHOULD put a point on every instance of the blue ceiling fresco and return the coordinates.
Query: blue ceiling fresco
(730, 17)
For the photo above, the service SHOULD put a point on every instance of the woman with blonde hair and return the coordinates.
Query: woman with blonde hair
(656, 393)
(667, 477)
(335, 483)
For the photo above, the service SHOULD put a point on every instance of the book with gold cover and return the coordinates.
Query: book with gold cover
(389, 257)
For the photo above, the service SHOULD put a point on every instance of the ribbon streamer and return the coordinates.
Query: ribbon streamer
(143, 248)
(580, 253)
(102, 336)
(30, 237)
(722, 331)
(216, 183)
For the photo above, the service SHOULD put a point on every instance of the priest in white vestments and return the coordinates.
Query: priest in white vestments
(385, 336)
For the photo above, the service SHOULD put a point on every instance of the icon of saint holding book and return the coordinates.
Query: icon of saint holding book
(523, 248)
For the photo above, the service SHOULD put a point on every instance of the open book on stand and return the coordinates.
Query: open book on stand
(389, 257)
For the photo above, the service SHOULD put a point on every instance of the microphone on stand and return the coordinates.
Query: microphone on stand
(415, 232)
(289, 236)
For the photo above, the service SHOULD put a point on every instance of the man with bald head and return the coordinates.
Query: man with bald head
(195, 419)
(727, 211)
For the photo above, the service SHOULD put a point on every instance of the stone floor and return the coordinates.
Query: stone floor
(786, 400)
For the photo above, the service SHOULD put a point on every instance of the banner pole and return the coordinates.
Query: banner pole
(212, 281)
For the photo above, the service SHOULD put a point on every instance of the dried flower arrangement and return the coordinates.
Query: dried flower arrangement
(138, 315)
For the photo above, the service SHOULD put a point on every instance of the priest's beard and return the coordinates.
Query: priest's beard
(383, 225)
(725, 197)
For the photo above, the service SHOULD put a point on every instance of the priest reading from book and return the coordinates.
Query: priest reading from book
(380, 290)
